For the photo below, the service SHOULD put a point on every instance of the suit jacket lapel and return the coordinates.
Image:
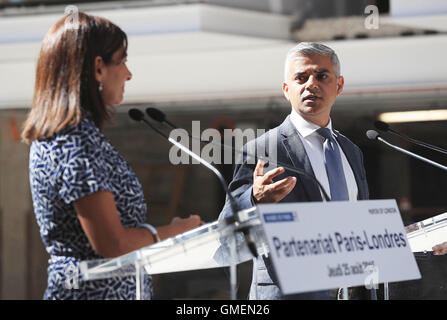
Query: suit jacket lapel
(297, 155)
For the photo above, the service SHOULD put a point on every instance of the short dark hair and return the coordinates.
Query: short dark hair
(66, 90)
(307, 49)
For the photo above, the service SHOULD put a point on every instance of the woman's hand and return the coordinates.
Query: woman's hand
(182, 225)
(440, 249)
(179, 225)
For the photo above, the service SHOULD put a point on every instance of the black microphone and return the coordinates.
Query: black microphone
(374, 135)
(159, 116)
(138, 115)
(385, 127)
(382, 126)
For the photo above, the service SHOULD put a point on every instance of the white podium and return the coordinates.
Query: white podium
(424, 235)
(217, 245)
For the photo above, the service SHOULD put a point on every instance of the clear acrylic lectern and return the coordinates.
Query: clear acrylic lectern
(213, 245)
(217, 245)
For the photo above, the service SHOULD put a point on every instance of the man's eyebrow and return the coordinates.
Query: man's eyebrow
(299, 73)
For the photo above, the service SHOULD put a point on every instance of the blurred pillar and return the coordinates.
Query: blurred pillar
(15, 202)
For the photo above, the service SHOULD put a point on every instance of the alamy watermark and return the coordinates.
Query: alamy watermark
(227, 149)
(72, 22)
(372, 277)
(71, 274)
(372, 20)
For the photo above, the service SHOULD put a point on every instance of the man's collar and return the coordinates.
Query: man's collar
(304, 127)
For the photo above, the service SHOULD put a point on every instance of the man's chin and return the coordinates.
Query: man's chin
(309, 109)
(311, 103)
(313, 115)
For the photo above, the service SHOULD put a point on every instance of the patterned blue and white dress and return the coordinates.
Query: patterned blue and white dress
(77, 162)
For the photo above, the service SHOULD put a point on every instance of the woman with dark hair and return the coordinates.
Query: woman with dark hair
(87, 200)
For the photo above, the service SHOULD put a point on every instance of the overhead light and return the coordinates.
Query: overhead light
(414, 116)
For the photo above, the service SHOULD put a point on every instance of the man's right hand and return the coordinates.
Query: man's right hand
(267, 191)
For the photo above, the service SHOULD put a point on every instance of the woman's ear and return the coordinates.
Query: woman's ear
(100, 69)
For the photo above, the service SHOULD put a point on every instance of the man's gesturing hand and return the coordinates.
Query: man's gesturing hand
(267, 191)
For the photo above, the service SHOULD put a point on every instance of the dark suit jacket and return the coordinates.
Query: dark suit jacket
(290, 151)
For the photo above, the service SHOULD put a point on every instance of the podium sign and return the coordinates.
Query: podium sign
(326, 245)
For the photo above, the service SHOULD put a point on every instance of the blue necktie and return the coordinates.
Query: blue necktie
(334, 167)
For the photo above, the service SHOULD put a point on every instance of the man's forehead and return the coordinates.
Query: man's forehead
(315, 63)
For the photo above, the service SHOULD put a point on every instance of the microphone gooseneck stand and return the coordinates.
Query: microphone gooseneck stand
(159, 116)
(374, 135)
(137, 115)
(383, 126)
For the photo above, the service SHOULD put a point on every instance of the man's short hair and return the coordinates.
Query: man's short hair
(308, 49)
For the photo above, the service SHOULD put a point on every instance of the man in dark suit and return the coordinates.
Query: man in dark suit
(312, 83)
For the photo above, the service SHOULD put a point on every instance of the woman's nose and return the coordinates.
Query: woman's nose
(129, 75)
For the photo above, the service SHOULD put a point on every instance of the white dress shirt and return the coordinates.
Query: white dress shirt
(313, 144)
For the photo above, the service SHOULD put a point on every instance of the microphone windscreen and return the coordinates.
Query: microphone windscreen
(372, 134)
(136, 114)
(156, 114)
(382, 126)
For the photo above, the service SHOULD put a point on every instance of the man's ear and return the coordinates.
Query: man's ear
(100, 69)
(285, 90)
(340, 85)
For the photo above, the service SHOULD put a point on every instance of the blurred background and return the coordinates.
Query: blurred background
(221, 62)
